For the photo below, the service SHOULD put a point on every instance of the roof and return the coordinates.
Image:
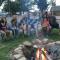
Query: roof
(55, 8)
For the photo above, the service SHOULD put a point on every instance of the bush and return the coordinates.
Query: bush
(55, 31)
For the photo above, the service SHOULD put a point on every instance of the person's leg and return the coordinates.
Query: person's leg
(44, 31)
(25, 32)
(13, 32)
(9, 33)
(28, 31)
(3, 34)
(16, 32)
(49, 32)
(0, 36)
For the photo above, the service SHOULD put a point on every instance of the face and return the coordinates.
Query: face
(14, 17)
(3, 23)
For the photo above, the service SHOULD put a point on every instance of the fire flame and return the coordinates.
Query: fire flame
(43, 57)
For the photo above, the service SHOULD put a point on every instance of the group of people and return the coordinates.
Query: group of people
(15, 27)
(26, 25)
(9, 29)
(5, 31)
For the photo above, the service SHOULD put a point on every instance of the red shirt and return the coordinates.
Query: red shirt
(45, 23)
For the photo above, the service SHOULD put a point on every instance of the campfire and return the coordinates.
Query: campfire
(37, 50)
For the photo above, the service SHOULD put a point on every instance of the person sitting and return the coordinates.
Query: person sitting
(45, 26)
(52, 21)
(2, 25)
(3, 29)
(20, 28)
(25, 28)
(14, 26)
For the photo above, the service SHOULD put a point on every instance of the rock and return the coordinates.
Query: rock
(23, 58)
(19, 48)
(57, 42)
(19, 52)
(37, 42)
(17, 56)
(45, 39)
(27, 43)
(21, 45)
(27, 51)
(51, 44)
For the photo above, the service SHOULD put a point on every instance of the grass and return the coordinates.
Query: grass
(54, 35)
(7, 46)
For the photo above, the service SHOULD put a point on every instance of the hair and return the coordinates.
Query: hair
(13, 20)
(2, 20)
(44, 19)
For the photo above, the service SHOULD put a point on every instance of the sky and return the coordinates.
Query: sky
(57, 2)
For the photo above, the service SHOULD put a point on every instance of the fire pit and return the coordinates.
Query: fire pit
(37, 50)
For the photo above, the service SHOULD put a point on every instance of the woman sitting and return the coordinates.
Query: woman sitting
(3, 28)
(45, 26)
(14, 26)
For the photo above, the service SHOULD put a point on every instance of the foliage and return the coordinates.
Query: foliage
(24, 5)
(42, 4)
(1, 1)
(12, 7)
(18, 5)
(54, 35)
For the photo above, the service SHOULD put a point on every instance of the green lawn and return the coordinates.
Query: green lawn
(7, 46)
(55, 35)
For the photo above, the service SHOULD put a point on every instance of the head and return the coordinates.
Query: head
(14, 19)
(46, 14)
(45, 19)
(5, 20)
(2, 20)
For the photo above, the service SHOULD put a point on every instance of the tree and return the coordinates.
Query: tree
(11, 7)
(42, 4)
(18, 5)
(1, 1)
(24, 5)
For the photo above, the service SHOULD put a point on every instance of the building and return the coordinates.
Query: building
(55, 10)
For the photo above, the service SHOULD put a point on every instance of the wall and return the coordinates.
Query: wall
(56, 13)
